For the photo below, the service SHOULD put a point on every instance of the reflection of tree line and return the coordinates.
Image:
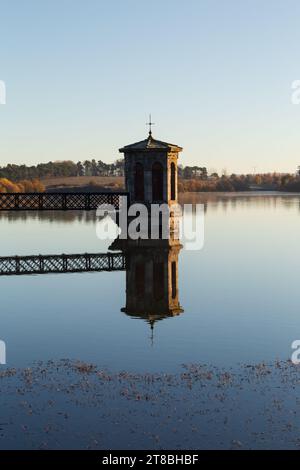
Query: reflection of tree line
(50, 216)
(210, 201)
(215, 201)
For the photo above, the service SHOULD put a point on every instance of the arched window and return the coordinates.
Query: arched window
(174, 280)
(173, 181)
(139, 194)
(157, 182)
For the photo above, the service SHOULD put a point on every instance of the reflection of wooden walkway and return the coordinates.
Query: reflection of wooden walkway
(58, 201)
(16, 265)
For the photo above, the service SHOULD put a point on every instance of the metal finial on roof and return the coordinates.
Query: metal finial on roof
(150, 124)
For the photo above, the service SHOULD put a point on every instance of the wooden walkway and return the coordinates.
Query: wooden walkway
(73, 263)
(59, 201)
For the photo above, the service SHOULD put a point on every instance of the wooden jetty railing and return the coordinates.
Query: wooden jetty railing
(73, 263)
(58, 201)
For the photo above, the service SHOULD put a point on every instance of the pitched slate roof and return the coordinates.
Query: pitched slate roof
(150, 144)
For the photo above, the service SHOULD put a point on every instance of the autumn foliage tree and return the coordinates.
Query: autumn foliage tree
(23, 186)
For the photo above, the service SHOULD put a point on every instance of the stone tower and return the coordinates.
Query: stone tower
(151, 171)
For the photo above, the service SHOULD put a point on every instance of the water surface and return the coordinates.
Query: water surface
(240, 293)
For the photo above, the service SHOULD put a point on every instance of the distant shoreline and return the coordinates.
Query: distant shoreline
(117, 183)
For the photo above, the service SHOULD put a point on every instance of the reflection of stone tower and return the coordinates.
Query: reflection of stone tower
(152, 282)
(151, 171)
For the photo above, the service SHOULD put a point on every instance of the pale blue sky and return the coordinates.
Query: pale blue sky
(82, 76)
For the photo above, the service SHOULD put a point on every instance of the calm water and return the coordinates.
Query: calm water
(240, 293)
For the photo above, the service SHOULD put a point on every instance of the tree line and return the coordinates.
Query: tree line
(249, 182)
(62, 169)
(87, 168)
(191, 178)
